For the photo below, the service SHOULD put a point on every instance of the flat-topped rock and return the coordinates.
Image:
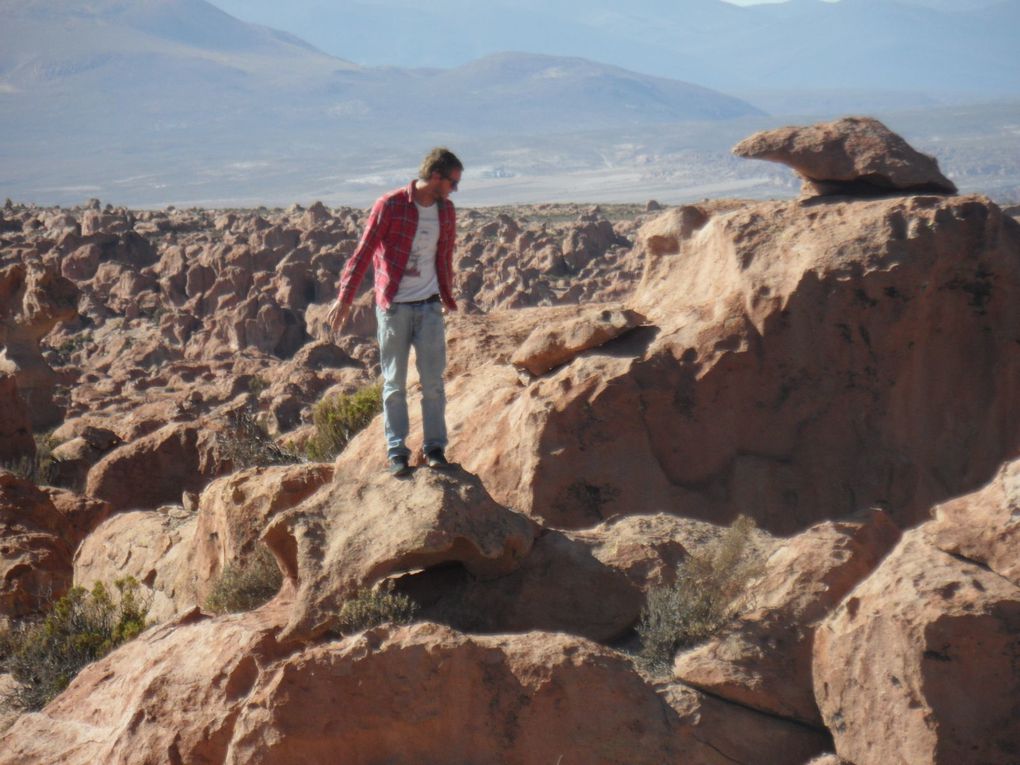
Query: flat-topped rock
(352, 534)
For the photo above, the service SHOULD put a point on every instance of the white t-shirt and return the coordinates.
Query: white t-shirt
(419, 280)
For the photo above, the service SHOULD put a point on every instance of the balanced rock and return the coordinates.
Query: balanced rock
(853, 156)
(918, 663)
(351, 534)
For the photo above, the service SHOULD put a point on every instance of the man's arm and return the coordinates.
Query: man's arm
(357, 265)
(444, 264)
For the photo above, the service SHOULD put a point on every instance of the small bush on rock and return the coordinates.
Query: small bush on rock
(371, 607)
(711, 588)
(246, 444)
(247, 585)
(339, 418)
(82, 627)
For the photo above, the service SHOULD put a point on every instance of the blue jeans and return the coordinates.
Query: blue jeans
(402, 326)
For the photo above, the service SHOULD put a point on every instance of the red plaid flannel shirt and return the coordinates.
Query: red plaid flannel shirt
(387, 240)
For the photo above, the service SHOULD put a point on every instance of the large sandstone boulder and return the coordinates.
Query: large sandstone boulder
(147, 545)
(852, 155)
(156, 469)
(352, 534)
(419, 694)
(918, 663)
(800, 363)
(763, 659)
(35, 556)
(227, 690)
(232, 513)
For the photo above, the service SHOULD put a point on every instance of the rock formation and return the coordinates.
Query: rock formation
(33, 299)
(851, 156)
(796, 363)
(35, 555)
(622, 383)
(918, 663)
(349, 536)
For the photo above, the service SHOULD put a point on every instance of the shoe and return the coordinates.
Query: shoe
(399, 466)
(436, 460)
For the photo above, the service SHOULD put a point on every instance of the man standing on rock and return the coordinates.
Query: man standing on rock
(409, 237)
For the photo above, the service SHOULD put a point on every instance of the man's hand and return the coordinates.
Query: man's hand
(337, 316)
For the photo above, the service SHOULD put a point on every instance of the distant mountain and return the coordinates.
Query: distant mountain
(948, 49)
(124, 89)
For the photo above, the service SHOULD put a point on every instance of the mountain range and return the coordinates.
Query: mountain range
(942, 48)
(152, 101)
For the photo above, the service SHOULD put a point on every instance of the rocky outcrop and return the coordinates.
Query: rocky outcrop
(147, 545)
(918, 663)
(795, 361)
(35, 555)
(763, 659)
(228, 690)
(33, 299)
(351, 535)
(232, 513)
(853, 155)
(799, 363)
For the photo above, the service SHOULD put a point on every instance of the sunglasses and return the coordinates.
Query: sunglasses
(453, 184)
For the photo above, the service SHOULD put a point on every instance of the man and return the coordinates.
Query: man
(409, 237)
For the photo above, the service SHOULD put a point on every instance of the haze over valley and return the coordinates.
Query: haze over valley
(152, 103)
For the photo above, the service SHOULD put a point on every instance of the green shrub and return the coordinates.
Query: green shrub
(339, 418)
(711, 588)
(246, 444)
(371, 607)
(82, 627)
(247, 585)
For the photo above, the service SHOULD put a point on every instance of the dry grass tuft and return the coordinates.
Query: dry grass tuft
(711, 588)
(247, 585)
